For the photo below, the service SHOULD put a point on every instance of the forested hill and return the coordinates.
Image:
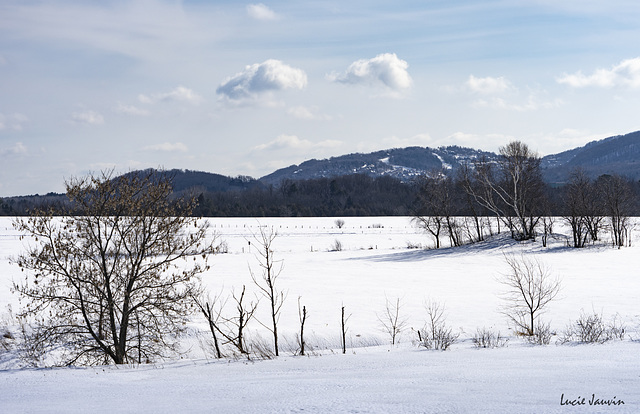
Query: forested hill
(378, 183)
(614, 155)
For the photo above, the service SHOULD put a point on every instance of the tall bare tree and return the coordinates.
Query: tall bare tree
(512, 188)
(112, 282)
(266, 282)
(619, 202)
(437, 208)
(577, 193)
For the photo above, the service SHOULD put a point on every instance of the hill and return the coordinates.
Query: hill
(613, 155)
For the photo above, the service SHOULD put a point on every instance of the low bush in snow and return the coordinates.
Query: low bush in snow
(436, 334)
(590, 329)
(486, 338)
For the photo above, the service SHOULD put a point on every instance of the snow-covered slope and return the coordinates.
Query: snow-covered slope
(373, 376)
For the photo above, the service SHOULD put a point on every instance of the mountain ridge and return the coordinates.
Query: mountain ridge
(613, 155)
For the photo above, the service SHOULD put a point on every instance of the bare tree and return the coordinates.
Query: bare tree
(530, 288)
(271, 270)
(618, 202)
(431, 224)
(211, 310)
(513, 188)
(437, 208)
(547, 228)
(470, 186)
(237, 324)
(583, 208)
(302, 315)
(390, 321)
(113, 281)
(343, 330)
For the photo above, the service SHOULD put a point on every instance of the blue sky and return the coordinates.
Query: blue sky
(246, 88)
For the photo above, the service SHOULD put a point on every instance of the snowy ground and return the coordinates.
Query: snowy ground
(374, 263)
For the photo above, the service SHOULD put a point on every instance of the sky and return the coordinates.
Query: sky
(239, 88)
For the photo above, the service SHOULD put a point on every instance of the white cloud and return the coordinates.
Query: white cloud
(167, 147)
(16, 149)
(500, 93)
(624, 74)
(12, 121)
(385, 68)
(308, 113)
(488, 85)
(261, 12)
(131, 110)
(271, 75)
(293, 142)
(179, 94)
(87, 117)
(532, 103)
(420, 140)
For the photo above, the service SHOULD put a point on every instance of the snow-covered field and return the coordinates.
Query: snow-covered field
(375, 263)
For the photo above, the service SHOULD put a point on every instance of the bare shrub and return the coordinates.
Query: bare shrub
(436, 334)
(390, 320)
(223, 247)
(336, 246)
(591, 328)
(616, 329)
(6, 336)
(260, 348)
(339, 223)
(32, 345)
(413, 245)
(486, 338)
(542, 334)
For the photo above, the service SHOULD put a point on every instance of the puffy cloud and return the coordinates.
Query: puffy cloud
(131, 110)
(306, 113)
(293, 142)
(625, 74)
(180, 94)
(385, 68)
(167, 147)
(488, 85)
(87, 117)
(261, 12)
(270, 75)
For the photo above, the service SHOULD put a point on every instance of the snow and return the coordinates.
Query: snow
(444, 164)
(373, 376)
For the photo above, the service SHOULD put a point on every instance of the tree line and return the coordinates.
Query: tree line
(511, 191)
(510, 188)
